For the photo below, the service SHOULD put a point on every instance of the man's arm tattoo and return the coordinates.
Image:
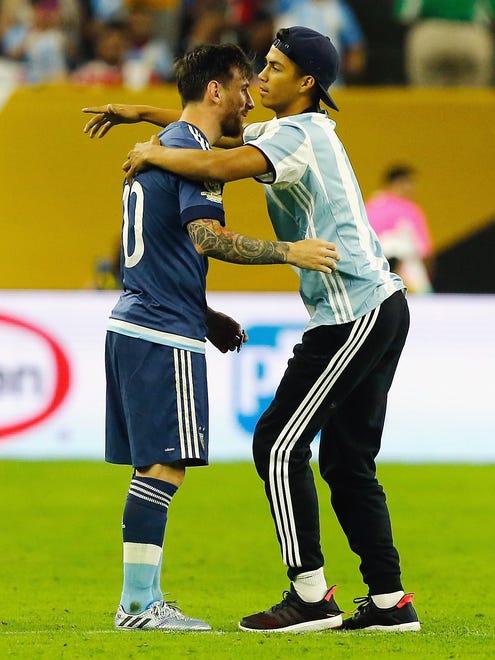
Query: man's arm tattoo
(220, 243)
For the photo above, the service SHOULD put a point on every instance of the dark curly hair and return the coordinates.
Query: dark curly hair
(209, 62)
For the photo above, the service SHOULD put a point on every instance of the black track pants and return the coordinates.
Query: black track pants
(337, 382)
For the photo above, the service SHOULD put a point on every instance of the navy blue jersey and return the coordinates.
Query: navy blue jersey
(164, 278)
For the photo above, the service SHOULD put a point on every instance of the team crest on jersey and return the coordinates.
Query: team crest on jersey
(213, 192)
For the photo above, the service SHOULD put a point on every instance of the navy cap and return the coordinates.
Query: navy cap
(314, 53)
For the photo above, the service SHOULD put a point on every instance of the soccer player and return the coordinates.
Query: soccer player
(157, 409)
(339, 376)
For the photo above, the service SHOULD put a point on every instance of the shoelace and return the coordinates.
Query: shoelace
(168, 609)
(362, 602)
(287, 597)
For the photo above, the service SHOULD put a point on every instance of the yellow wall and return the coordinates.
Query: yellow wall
(60, 192)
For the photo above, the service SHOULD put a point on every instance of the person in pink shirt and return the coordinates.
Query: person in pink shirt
(402, 228)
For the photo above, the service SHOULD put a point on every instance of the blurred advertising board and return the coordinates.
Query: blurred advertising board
(52, 385)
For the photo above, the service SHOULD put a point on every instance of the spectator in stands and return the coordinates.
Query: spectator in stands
(104, 11)
(201, 22)
(247, 23)
(250, 25)
(151, 53)
(336, 19)
(165, 14)
(96, 14)
(108, 66)
(384, 42)
(449, 43)
(15, 22)
(45, 46)
(42, 35)
(402, 228)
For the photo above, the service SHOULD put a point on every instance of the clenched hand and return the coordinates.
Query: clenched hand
(224, 332)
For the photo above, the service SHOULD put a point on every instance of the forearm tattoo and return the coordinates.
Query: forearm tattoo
(220, 243)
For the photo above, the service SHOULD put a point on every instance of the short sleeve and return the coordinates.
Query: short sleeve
(197, 199)
(200, 200)
(285, 145)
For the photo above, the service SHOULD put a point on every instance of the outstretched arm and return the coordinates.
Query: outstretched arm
(213, 240)
(229, 165)
(106, 116)
(112, 114)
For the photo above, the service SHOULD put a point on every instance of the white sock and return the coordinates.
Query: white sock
(387, 600)
(311, 586)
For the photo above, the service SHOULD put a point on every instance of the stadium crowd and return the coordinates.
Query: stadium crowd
(135, 42)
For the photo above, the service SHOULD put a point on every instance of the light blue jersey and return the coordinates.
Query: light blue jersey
(313, 193)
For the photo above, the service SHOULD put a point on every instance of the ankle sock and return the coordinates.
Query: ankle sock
(385, 601)
(311, 586)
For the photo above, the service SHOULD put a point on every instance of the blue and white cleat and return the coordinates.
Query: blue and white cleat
(158, 616)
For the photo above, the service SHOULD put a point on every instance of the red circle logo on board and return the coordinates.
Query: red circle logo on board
(34, 375)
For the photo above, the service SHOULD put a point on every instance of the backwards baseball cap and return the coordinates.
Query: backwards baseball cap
(314, 53)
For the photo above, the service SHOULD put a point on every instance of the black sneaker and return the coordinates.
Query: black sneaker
(296, 615)
(401, 617)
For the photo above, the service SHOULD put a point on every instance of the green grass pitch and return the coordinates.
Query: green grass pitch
(60, 564)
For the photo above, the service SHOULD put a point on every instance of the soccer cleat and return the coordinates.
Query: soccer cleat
(401, 617)
(295, 615)
(158, 616)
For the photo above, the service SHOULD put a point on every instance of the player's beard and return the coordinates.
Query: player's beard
(231, 126)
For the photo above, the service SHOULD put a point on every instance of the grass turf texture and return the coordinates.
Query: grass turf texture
(61, 564)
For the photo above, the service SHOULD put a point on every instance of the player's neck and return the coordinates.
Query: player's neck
(204, 120)
(295, 106)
